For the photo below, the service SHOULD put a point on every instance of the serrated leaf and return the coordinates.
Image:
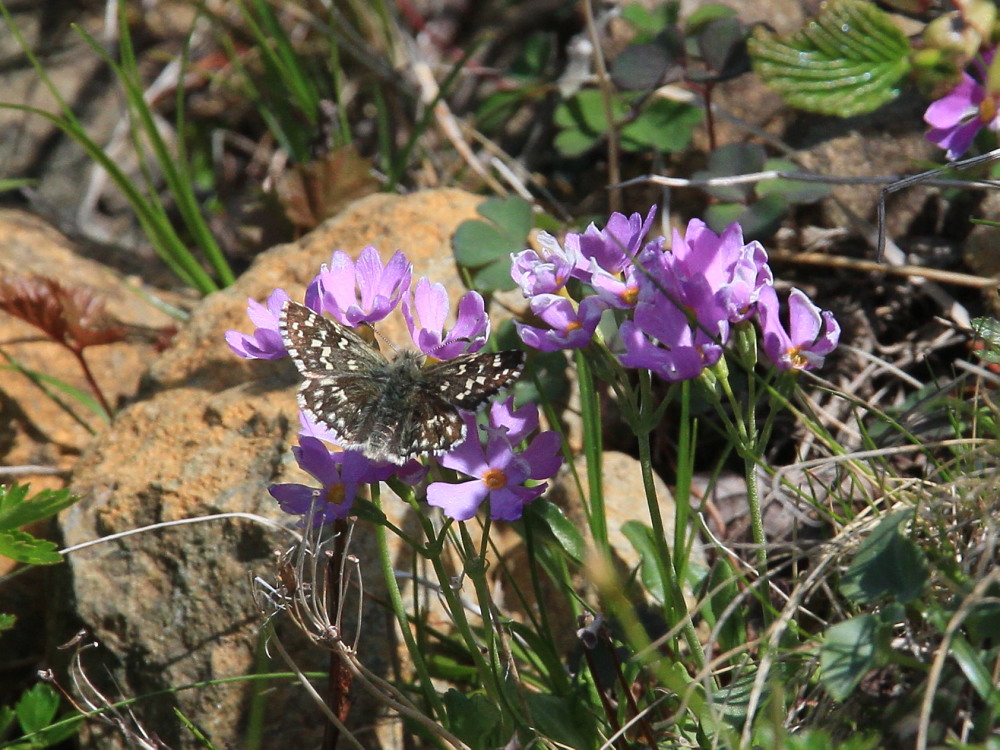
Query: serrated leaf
(6, 719)
(23, 547)
(17, 511)
(847, 61)
(887, 563)
(848, 654)
(988, 330)
(37, 707)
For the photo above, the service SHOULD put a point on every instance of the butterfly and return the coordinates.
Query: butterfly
(390, 410)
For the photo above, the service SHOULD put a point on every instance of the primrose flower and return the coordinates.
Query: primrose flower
(548, 272)
(615, 246)
(339, 474)
(430, 303)
(735, 272)
(812, 333)
(335, 289)
(661, 339)
(957, 117)
(265, 342)
(499, 469)
(571, 326)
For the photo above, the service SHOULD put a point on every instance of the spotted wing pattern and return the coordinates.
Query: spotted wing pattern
(390, 410)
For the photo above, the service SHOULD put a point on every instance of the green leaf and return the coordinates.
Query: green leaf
(988, 330)
(848, 654)
(734, 698)
(663, 126)
(793, 191)
(7, 716)
(641, 538)
(562, 720)
(7, 621)
(478, 243)
(978, 669)
(23, 547)
(472, 718)
(732, 160)
(494, 277)
(564, 530)
(582, 121)
(723, 582)
(17, 511)
(886, 563)
(759, 220)
(848, 61)
(37, 707)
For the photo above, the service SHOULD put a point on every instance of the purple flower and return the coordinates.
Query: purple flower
(734, 271)
(547, 272)
(959, 115)
(812, 333)
(339, 474)
(662, 340)
(312, 430)
(615, 246)
(498, 471)
(430, 302)
(335, 289)
(572, 326)
(613, 290)
(265, 342)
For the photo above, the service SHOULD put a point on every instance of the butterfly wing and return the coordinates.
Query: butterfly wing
(336, 365)
(468, 381)
(321, 347)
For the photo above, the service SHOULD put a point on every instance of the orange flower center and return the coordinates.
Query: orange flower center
(797, 358)
(630, 295)
(573, 325)
(987, 109)
(335, 494)
(495, 479)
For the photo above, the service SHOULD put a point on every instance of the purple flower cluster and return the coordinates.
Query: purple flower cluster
(675, 307)
(490, 462)
(972, 105)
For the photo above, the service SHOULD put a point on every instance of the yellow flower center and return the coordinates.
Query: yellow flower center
(630, 295)
(335, 494)
(573, 325)
(495, 479)
(797, 358)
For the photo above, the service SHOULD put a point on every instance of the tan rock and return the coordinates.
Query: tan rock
(174, 606)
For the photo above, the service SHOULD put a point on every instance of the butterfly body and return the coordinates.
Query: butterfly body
(391, 410)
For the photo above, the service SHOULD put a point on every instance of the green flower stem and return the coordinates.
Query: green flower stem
(396, 602)
(593, 448)
(672, 588)
(500, 656)
(453, 602)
